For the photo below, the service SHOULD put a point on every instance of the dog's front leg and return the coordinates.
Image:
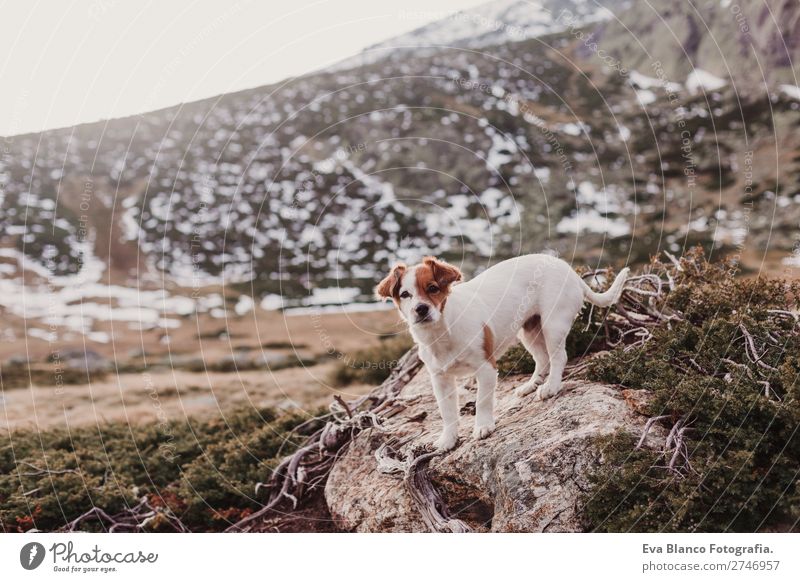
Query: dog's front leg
(444, 388)
(484, 404)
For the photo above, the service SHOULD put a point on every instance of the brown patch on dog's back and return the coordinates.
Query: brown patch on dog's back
(533, 324)
(488, 345)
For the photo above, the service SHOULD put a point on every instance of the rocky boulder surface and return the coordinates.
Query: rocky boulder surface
(527, 476)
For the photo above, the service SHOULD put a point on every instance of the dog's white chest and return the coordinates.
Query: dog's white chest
(445, 359)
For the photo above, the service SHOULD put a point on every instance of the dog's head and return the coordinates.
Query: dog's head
(419, 291)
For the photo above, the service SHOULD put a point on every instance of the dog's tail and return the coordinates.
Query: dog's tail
(611, 296)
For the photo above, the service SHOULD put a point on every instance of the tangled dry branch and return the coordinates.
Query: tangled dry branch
(132, 519)
(308, 467)
(644, 306)
(412, 464)
(640, 308)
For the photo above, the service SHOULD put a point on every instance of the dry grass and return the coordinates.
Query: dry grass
(162, 392)
(149, 397)
(342, 331)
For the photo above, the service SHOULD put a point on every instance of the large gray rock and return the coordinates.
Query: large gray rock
(527, 476)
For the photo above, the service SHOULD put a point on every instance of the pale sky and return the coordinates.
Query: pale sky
(64, 62)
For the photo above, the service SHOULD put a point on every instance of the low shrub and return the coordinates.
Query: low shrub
(725, 370)
(245, 363)
(371, 365)
(24, 375)
(201, 471)
(284, 346)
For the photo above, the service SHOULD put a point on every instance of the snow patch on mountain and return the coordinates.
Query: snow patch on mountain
(700, 80)
(495, 22)
(599, 211)
(792, 91)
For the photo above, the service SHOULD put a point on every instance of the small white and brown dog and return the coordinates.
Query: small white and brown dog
(462, 328)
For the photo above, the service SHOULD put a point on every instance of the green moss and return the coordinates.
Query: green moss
(203, 471)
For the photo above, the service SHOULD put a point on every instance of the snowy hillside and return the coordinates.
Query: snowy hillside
(492, 23)
(302, 193)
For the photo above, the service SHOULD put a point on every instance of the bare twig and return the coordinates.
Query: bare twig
(589, 318)
(39, 471)
(767, 389)
(680, 449)
(648, 425)
(676, 263)
(697, 366)
(135, 518)
(672, 434)
(344, 405)
(752, 353)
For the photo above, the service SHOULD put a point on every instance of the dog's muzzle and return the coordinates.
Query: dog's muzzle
(423, 313)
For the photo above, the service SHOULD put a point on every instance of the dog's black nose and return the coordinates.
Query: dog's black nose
(422, 309)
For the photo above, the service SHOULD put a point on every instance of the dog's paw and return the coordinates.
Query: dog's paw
(525, 388)
(546, 391)
(446, 442)
(482, 431)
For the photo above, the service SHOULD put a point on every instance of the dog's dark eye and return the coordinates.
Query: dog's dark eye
(405, 295)
(433, 289)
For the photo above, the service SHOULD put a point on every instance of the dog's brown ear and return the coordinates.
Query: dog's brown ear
(445, 274)
(389, 287)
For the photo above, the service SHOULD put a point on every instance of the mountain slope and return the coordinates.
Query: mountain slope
(308, 189)
(491, 23)
(755, 44)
